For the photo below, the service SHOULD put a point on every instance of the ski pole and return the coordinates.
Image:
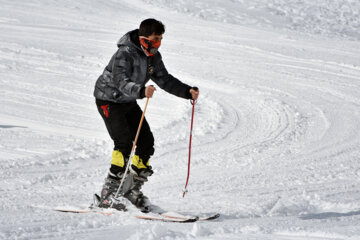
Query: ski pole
(191, 129)
(132, 150)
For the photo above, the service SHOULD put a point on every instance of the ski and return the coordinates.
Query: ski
(180, 216)
(211, 217)
(156, 213)
(153, 216)
(103, 211)
(166, 218)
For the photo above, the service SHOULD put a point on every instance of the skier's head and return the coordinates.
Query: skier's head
(150, 35)
(151, 26)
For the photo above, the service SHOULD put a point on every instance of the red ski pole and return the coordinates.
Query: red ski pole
(191, 129)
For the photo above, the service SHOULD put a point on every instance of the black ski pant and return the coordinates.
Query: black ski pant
(122, 122)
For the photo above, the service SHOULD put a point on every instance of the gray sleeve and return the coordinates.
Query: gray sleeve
(122, 68)
(168, 82)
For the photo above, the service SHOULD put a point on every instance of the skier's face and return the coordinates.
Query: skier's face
(151, 44)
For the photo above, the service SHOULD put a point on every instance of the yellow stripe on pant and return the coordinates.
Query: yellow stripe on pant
(117, 158)
(137, 162)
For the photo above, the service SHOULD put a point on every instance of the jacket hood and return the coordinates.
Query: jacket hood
(130, 39)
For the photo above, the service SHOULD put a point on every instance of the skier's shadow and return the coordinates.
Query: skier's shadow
(326, 215)
(11, 126)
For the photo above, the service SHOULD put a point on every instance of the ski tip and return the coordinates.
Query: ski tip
(70, 210)
(168, 219)
(215, 216)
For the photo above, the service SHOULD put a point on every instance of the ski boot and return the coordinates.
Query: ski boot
(138, 175)
(107, 198)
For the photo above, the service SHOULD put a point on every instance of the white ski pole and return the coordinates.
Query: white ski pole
(132, 151)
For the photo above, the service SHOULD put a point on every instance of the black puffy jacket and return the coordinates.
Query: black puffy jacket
(129, 69)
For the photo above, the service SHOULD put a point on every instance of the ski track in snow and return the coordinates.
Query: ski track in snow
(275, 141)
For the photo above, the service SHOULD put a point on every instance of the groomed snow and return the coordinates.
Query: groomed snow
(276, 139)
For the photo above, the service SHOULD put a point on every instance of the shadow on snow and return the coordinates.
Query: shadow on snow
(328, 215)
(11, 126)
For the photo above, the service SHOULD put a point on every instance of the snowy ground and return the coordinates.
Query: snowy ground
(276, 141)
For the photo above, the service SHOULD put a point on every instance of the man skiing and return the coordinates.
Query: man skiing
(116, 90)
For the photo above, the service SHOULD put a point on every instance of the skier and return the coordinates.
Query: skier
(116, 90)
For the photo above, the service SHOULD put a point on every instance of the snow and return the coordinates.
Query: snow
(276, 134)
(331, 18)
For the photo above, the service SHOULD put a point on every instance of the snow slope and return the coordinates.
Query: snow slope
(327, 17)
(276, 139)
